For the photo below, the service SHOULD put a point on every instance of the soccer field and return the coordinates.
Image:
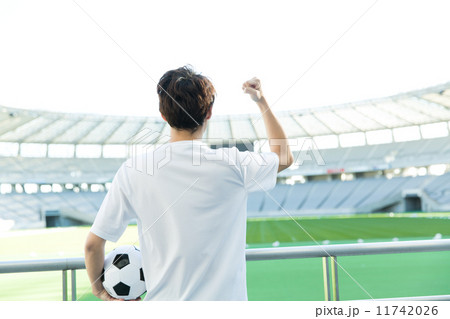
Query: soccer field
(381, 276)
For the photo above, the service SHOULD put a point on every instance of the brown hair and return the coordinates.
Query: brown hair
(185, 97)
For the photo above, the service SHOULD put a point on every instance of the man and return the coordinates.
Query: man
(191, 211)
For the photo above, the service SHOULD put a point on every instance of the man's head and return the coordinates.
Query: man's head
(185, 98)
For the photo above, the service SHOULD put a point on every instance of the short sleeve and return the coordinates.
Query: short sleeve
(259, 170)
(115, 212)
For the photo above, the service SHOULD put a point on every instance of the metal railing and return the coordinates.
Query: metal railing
(328, 253)
(62, 264)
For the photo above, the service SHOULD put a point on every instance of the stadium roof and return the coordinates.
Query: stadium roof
(431, 105)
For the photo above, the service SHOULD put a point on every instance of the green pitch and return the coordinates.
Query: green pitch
(381, 276)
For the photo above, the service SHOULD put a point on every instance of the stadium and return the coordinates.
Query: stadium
(373, 174)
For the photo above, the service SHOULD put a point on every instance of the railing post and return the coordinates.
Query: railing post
(73, 284)
(64, 284)
(326, 278)
(334, 278)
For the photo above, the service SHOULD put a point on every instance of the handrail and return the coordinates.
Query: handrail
(413, 246)
(16, 266)
(327, 252)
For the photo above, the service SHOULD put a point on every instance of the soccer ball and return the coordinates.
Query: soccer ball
(123, 277)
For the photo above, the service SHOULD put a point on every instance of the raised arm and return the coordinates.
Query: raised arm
(277, 138)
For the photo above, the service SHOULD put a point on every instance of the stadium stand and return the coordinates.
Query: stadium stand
(48, 148)
(30, 210)
(311, 198)
(422, 107)
(376, 157)
(439, 189)
(336, 197)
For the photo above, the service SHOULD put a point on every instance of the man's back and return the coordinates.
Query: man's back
(189, 200)
(190, 205)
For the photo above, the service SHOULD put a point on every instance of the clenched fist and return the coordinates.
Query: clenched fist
(253, 87)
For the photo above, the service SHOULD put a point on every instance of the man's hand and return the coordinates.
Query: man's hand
(278, 141)
(253, 87)
(104, 295)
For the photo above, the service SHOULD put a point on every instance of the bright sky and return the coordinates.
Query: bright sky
(54, 57)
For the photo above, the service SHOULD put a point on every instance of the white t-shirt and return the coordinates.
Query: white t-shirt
(190, 203)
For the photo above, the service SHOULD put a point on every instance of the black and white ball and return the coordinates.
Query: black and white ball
(123, 277)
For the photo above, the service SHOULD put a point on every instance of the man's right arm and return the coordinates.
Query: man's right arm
(94, 254)
(277, 137)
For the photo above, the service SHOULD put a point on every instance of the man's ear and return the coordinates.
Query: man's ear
(209, 114)
(163, 117)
